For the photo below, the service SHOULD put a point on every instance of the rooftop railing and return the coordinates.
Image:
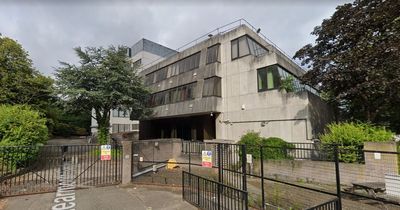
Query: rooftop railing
(218, 31)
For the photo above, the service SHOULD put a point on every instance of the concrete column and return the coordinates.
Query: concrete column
(126, 162)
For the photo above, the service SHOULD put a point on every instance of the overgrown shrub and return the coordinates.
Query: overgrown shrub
(350, 137)
(23, 127)
(273, 147)
(276, 148)
(252, 140)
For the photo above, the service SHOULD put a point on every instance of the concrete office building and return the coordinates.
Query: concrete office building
(143, 53)
(228, 84)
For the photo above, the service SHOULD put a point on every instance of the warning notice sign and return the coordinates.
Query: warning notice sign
(105, 152)
(206, 158)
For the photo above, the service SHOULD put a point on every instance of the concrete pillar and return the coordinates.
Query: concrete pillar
(126, 162)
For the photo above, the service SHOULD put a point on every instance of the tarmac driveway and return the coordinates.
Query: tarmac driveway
(106, 198)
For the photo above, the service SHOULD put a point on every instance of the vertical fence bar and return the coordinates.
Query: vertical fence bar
(339, 194)
(262, 178)
(190, 163)
(244, 163)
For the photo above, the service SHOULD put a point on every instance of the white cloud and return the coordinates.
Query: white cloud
(49, 31)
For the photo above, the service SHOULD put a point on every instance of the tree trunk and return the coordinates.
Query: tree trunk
(103, 122)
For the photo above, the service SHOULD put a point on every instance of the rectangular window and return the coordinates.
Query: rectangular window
(182, 93)
(213, 54)
(212, 87)
(268, 78)
(245, 45)
(118, 128)
(234, 46)
(135, 127)
(120, 113)
(179, 67)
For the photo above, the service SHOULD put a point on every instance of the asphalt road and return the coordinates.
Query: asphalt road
(106, 198)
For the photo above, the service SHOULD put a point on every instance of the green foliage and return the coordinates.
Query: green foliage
(287, 84)
(273, 147)
(103, 81)
(350, 136)
(66, 123)
(21, 126)
(102, 136)
(20, 83)
(276, 148)
(252, 140)
(356, 59)
(355, 133)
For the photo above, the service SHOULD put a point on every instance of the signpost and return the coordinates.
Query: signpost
(206, 158)
(105, 152)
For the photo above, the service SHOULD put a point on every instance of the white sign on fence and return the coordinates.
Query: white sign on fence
(249, 158)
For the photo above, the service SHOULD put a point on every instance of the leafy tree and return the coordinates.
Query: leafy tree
(104, 80)
(20, 83)
(356, 60)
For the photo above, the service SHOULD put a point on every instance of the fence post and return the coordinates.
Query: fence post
(262, 178)
(126, 162)
(244, 164)
(190, 161)
(198, 190)
(219, 175)
(339, 194)
(219, 163)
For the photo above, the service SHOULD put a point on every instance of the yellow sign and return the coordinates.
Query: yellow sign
(171, 164)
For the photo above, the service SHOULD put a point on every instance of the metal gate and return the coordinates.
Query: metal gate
(230, 189)
(37, 169)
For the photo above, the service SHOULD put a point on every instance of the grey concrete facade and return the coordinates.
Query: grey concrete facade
(295, 116)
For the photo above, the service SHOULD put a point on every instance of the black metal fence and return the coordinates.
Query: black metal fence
(329, 205)
(212, 195)
(36, 169)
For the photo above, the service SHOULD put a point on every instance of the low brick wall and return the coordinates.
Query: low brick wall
(380, 159)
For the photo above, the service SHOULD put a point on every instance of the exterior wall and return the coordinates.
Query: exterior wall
(244, 108)
(295, 117)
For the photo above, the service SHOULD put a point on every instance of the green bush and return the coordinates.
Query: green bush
(252, 140)
(23, 127)
(276, 148)
(350, 137)
(273, 147)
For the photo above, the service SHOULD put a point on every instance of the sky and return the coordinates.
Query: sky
(49, 30)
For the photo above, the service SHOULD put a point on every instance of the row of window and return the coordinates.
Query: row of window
(120, 113)
(184, 65)
(245, 45)
(270, 77)
(118, 128)
(174, 95)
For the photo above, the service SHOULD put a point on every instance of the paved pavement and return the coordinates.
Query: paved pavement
(106, 198)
